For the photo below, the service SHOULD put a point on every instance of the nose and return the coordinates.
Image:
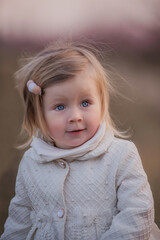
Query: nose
(75, 116)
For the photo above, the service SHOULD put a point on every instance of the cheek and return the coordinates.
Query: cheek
(94, 121)
(54, 123)
(96, 115)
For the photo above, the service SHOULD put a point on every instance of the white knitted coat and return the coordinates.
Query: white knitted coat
(98, 191)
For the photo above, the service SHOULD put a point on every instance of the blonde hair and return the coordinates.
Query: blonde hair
(58, 62)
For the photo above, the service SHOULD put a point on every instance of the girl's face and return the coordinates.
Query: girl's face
(72, 110)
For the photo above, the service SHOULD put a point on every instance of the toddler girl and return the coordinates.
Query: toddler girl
(77, 181)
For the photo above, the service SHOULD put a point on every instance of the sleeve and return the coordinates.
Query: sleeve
(135, 217)
(18, 222)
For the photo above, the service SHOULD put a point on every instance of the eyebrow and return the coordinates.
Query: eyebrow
(57, 99)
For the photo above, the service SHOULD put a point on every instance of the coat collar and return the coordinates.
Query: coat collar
(92, 148)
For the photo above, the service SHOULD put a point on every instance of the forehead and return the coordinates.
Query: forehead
(83, 83)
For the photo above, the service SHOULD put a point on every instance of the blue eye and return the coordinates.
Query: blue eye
(60, 107)
(85, 104)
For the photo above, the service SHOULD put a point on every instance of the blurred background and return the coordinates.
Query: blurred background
(129, 32)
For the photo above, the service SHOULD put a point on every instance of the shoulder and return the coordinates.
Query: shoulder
(28, 167)
(27, 159)
(123, 153)
(123, 146)
(126, 156)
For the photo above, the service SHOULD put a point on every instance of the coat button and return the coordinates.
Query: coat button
(62, 164)
(60, 213)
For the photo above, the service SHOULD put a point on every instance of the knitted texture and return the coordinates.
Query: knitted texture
(101, 194)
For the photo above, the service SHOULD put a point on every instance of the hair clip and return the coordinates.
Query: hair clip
(33, 87)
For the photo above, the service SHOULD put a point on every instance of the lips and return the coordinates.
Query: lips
(76, 131)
